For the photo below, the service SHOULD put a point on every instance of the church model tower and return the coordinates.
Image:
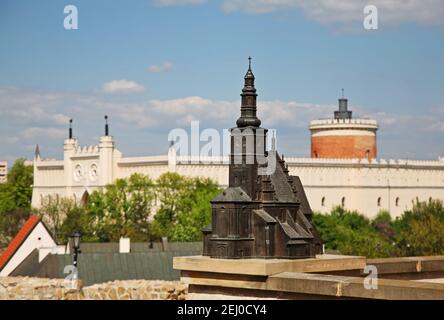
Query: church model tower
(264, 212)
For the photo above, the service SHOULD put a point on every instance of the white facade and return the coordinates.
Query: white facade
(367, 187)
(3, 171)
(339, 127)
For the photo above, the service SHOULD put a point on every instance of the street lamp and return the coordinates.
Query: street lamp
(76, 246)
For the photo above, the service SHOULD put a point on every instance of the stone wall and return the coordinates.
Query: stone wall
(25, 288)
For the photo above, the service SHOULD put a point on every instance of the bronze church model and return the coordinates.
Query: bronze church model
(264, 212)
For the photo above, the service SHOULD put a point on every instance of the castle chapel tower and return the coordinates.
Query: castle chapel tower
(264, 212)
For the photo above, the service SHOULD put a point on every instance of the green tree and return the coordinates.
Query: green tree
(351, 233)
(77, 219)
(15, 200)
(185, 206)
(195, 211)
(122, 209)
(54, 212)
(384, 225)
(171, 188)
(420, 231)
(16, 193)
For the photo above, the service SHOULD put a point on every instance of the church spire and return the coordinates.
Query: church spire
(249, 98)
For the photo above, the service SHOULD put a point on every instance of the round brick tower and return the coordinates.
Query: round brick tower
(343, 136)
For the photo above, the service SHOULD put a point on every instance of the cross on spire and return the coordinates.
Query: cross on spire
(249, 62)
(342, 93)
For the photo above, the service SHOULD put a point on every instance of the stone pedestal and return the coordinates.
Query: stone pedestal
(210, 278)
(323, 277)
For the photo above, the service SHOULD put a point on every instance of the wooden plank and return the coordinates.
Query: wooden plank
(325, 286)
(321, 263)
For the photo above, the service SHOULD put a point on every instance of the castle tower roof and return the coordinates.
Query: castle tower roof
(343, 112)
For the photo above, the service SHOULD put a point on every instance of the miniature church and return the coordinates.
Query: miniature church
(264, 213)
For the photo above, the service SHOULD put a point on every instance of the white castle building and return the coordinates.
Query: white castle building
(354, 179)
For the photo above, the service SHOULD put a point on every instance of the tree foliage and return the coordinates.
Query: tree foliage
(16, 193)
(121, 209)
(351, 233)
(420, 231)
(185, 207)
(54, 211)
(15, 200)
(126, 208)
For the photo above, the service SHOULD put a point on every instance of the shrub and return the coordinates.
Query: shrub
(351, 233)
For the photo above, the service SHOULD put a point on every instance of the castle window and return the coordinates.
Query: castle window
(343, 201)
(323, 202)
(379, 201)
(397, 202)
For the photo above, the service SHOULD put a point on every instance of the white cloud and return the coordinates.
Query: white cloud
(31, 106)
(429, 12)
(438, 126)
(166, 66)
(122, 86)
(10, 140)
(30, 117)
(43, 133)
(223, 113)
(168, 3)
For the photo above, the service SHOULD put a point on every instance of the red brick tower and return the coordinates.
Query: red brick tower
(343, 137)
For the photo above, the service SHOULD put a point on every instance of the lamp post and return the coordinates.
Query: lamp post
(76, 246)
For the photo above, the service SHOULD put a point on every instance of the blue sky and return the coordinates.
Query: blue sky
(153, 66)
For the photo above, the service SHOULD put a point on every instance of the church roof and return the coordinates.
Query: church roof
(292, 233)
(305, 205)
(283, 190)
(232, 194)
(264, 215)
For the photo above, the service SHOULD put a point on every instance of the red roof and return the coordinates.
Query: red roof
(21, 236)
